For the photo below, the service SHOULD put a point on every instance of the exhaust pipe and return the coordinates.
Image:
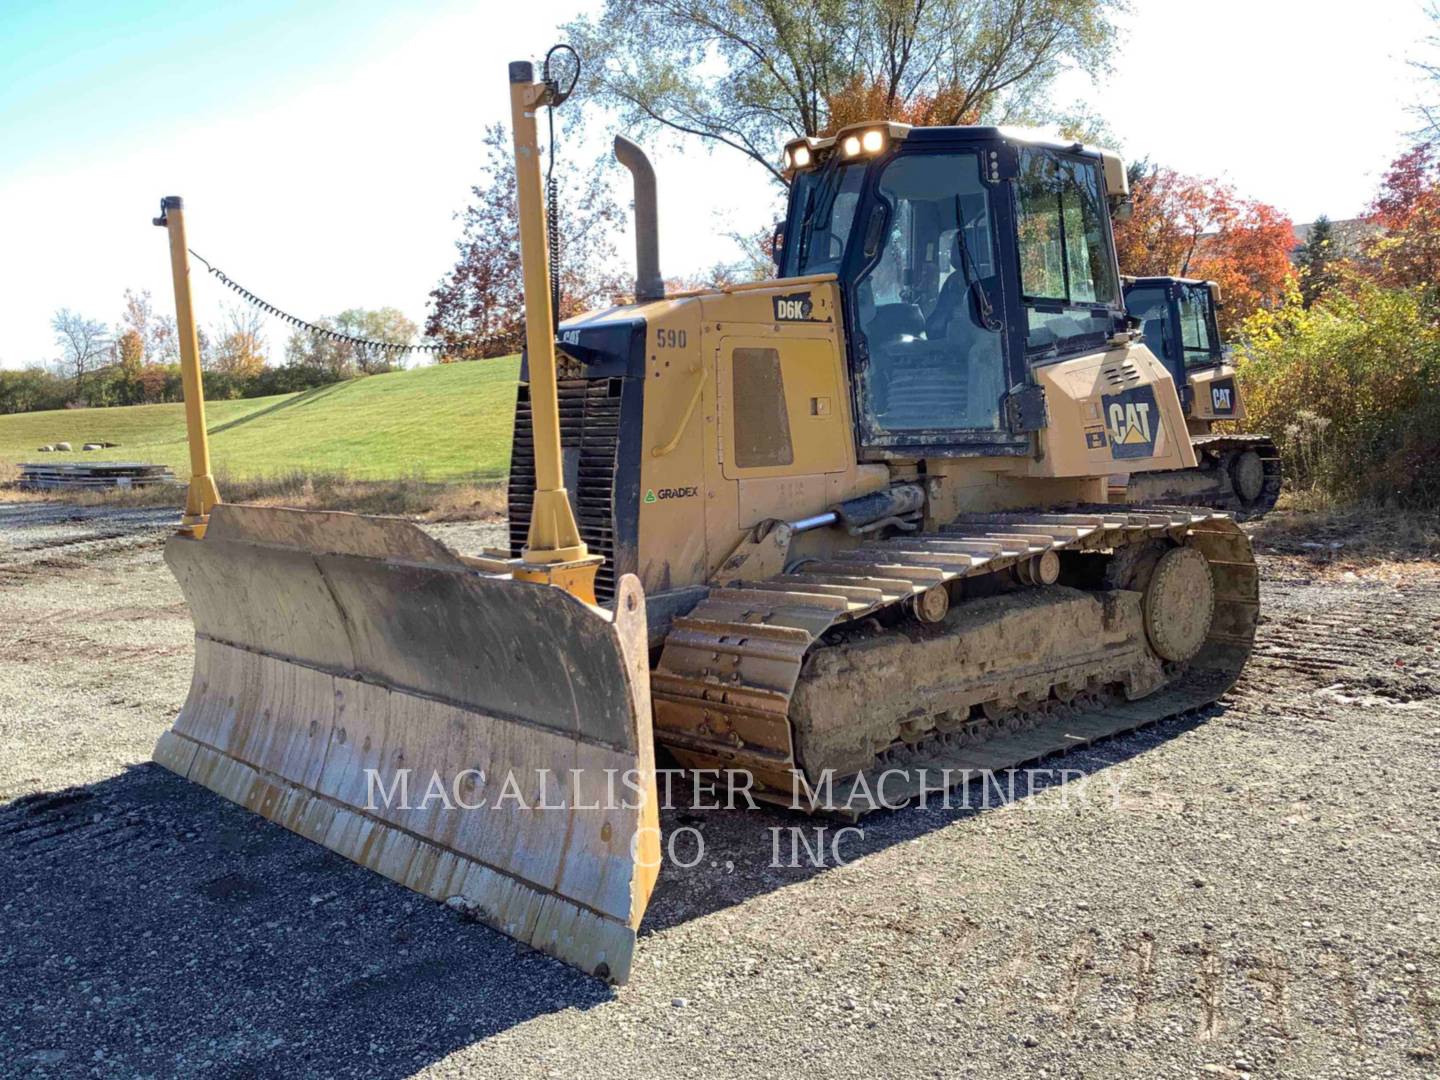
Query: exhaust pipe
(648, 283)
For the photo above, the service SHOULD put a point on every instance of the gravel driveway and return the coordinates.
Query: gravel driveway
(1255, 889)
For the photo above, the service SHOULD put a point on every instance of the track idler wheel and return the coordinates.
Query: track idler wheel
(1247, 476)
(1179, 603)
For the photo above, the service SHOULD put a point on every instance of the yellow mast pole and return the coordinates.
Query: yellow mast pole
(554, 552)
(202, 493)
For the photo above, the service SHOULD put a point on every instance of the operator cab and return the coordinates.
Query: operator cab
(966, 255)
(1177, 319)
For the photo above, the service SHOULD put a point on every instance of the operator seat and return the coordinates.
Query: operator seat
(895, 333)
(953, 299)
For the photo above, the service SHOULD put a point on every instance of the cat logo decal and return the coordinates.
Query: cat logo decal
(1222, 396)
(1132, 420)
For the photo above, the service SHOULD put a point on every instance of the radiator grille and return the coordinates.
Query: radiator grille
(589, 440)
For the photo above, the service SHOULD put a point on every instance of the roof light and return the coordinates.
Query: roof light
(800, 157)
(851, 146)
(873, 141)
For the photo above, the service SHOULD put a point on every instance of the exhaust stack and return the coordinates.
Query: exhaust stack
(648, 283)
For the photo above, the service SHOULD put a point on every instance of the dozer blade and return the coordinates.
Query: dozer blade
(481, 740)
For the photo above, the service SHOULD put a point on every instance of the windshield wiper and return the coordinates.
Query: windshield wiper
(972, 279)
(803, 247)
(817, 212)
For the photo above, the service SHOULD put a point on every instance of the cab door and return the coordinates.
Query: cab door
(927, 317)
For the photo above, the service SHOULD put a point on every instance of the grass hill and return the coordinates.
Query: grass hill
(446, 422)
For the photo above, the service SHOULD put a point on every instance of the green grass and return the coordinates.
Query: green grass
(447, 422)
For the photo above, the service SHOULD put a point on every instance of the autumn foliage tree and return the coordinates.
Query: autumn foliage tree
(1407, 209)
(479, 306)
(1248, 256)
(1376, 333)
(1169, 213)
(1187, 226)
(240, 343)
(864, 99)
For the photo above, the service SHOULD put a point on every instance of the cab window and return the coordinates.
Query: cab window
(1067, 275)
(925, 303)
(823, 210)
(1195, 322)
(1152, 307)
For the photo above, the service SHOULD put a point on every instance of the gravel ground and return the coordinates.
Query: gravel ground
(1250, 890)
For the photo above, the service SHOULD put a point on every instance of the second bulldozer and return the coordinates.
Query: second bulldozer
(1240, 473)
(838, 532)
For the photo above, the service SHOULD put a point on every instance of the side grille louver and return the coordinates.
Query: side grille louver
(1123, 374)
(589, 440)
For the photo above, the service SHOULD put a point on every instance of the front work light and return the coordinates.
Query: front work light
(873, 141)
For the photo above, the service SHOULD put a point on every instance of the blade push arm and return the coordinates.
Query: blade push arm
(554, 552)
(202, 494)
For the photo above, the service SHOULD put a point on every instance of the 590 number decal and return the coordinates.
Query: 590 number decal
(669, 339)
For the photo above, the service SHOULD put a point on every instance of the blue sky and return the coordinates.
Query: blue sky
(324, 148)
(83, 80)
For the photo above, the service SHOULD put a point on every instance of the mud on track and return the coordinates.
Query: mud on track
(1247, 890)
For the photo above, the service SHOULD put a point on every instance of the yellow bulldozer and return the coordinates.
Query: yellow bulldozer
(843, 534)
(1237, 472)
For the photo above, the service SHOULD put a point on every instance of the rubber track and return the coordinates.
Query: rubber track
(723, 686)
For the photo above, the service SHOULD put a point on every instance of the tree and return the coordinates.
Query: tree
(479, 306)
(1316, 261)
(863, 99)
(83, 344)
(347, 358)
(1350, 388)
(164, 340)
(139, 324)
(1186, 226)
(1248, 256)
(240, 343)
(749, 74)
(1429, 69)
(1169, 214)
(757, 255)
(1407, 208)
(130, 367)
(130, 352)
(30, 389)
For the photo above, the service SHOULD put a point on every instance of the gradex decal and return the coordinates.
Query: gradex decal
(1132, 420)
(1222, 396)
(671, 493)
(794, 307)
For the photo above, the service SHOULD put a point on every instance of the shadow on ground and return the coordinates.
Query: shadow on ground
(306, 397)
(746, 854)
(150, 927)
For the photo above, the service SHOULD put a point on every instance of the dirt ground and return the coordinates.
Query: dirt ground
(1249, 890)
